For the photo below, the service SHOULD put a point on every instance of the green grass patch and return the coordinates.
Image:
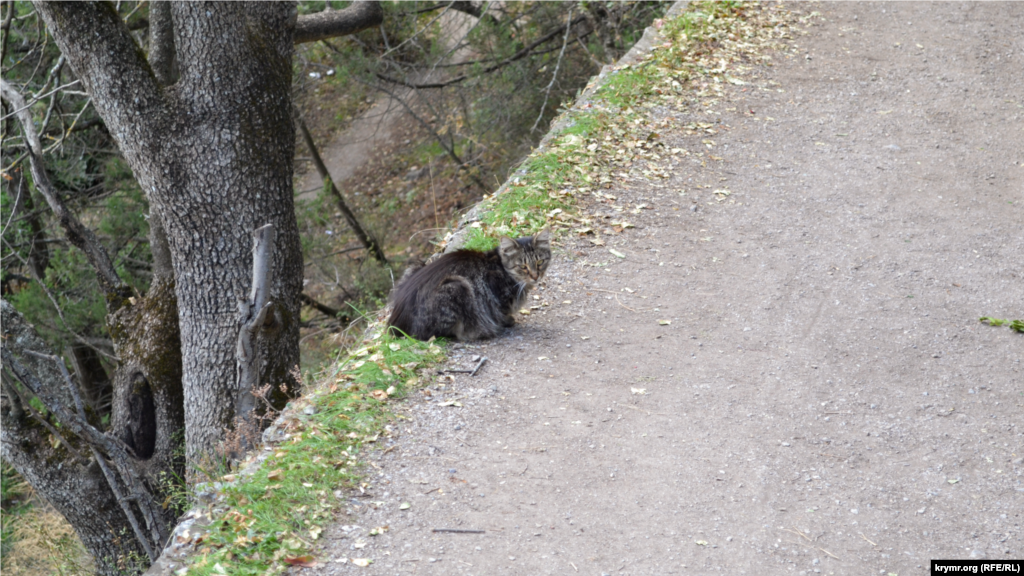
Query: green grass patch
(14, 502)
(605, 134)
(1015, 325)
(273, 519)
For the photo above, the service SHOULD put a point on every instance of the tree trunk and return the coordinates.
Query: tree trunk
(62, 470)
(235, 143)
(214, 154)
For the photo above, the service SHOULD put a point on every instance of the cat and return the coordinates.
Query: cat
(469, 294)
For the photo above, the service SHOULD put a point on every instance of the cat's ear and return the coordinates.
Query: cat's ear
(507, 246)
(542, 239)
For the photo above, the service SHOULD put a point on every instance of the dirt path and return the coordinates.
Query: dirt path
(824, 399)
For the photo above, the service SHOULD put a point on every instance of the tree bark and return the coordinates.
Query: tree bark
(75, 486)
(214, 154)
(331, 23)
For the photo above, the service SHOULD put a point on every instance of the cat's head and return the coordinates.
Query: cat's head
(526, 259)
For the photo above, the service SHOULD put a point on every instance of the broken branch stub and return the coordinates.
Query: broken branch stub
(252, 315)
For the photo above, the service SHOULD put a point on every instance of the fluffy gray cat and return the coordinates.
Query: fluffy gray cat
(468, 294)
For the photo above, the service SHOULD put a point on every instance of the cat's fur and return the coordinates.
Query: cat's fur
(467, 294)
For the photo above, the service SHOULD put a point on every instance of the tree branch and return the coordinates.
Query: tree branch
(77, 234)
(554, 76)
(449, 149)
(252, 314)
(108, 472)
(522, 53)
(371, 244)
(19, 339)
(111, 66)
(161, 41)
(324, 308)
(331, 23)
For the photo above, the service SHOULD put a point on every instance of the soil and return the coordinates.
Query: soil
(823, 400)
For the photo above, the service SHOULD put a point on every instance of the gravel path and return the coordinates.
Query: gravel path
(823, 400)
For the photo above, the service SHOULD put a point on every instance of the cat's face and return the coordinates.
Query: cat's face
(526, 259)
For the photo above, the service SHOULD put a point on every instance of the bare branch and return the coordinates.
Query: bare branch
(522, 53)
(252, 314)
(331, 23)
(324, 308)
(449, 149)
(470, 8)
(105, 56)
(554, 76)
(18, 337)
(77, 234)
(28, 379)
(367, 240)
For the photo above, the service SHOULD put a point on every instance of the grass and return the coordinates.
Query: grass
(35, 538)
(14, 502)
(582, 155)
(273, 519)
(1015, 325)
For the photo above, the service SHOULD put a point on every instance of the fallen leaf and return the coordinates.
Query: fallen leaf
(640, 391)
(395, 346)
(701, 542)
(451, 403)
(274, 474)
(664, 322)
(406, 505)
(597, 241)
(524, 311)
(315, 531)
(379, 395)
(303, 561)
(616, 253)
(364, 562)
